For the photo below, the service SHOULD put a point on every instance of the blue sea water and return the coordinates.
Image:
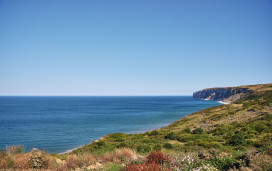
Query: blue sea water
(57, 124)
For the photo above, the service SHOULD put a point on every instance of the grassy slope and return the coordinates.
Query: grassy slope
(229, 128)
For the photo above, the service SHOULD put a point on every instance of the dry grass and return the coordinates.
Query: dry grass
(3, 163)
(86, 159)
(261, 162)
(20, 161)
(14, 149)
(122, 155)
(72, 161)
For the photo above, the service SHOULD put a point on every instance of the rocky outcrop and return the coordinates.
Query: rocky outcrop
(226, 95)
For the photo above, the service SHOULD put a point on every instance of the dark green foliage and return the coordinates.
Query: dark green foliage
(188, 137)
(168, 146)
(219, 131)
(153, 133)
(170, 136)
(98, 144)
(237, 139)
(259, 127)
(143, 148)
(187, 130)
(198, 131)
(122, 145)
(146, 133)
(223, 163)
(157, 147)
(138, 136)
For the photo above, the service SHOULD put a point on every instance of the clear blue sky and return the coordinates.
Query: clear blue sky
(140, 47)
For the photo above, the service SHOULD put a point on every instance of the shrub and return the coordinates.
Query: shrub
(219, 131)
(237, 139)
(168, 146)
(143, 148)
(259, 127)
(157, 147)
(155, 132)
(159, 158)
(146, 133)
(187, 130)
(223, 163)
(122, 145)
(97, 145)
(37, 159)
(72, 161)
(198, 131)
(137, 136)
(188, 137)
(170, 136)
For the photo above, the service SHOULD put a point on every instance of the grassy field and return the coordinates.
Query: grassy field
(237, 136)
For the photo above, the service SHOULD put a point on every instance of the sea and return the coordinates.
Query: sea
(58, 124)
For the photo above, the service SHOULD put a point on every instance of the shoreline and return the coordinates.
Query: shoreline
(68, 151)
(223, 102)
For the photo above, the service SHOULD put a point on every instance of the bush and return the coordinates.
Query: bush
(237, 139)
(146, 133)
(170, 136)
(223, 163)
(121, 145)
(188, 137)
(72, 161)
(156, 161)
(187, 130)
(143, 148)
(159, 158)
(157, 147)
(98, 144)
(118, 137)
(155, 132)
(36, 159)
(168, 146)
(198, 131)
(219, 131)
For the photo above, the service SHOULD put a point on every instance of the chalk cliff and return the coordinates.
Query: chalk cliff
(227, 95)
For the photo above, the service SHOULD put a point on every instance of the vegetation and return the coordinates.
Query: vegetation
(237, 136)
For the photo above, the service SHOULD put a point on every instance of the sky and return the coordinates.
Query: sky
(125, 47)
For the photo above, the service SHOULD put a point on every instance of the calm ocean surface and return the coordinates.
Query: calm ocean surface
(58, 124)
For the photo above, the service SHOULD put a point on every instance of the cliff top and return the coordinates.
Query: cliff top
(258, 87)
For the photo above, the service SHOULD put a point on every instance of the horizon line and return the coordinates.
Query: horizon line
(83, 95)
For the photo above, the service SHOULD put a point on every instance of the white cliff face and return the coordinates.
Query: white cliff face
(227, 95)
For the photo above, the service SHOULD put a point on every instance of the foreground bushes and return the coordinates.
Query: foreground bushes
(127, 159)
(155, 161)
